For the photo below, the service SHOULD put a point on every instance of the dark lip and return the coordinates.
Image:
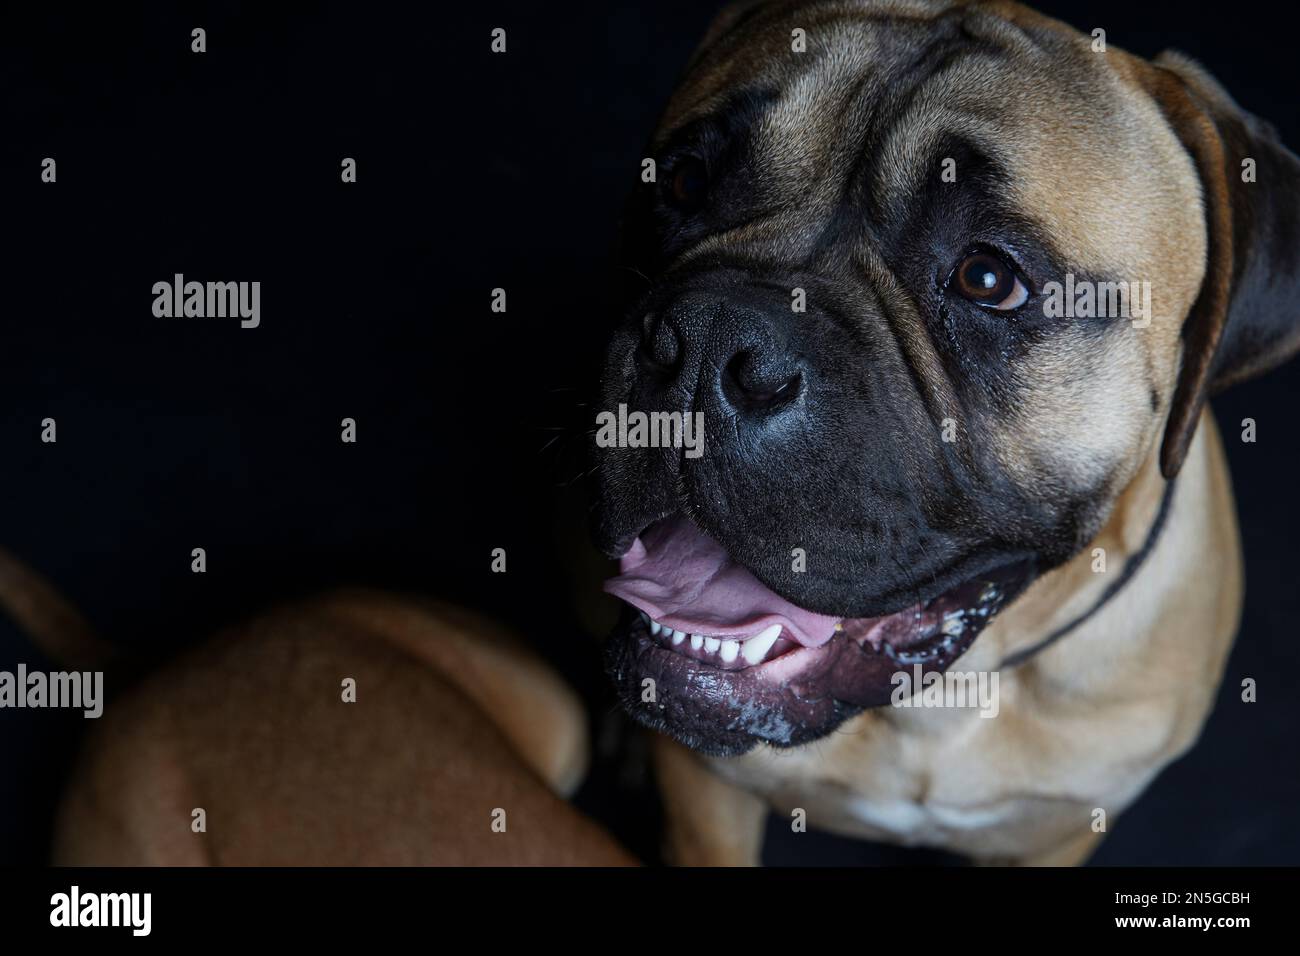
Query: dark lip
(726, 712)
(716, 712)
(929, 585)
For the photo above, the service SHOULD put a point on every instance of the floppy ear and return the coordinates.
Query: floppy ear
(1246, 318)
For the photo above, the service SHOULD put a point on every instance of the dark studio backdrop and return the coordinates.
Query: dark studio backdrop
(475, 172)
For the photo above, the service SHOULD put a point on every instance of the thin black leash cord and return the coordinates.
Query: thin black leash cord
(1130, 569)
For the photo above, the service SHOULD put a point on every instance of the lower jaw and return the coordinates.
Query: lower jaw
(728, 712)
(790, 700)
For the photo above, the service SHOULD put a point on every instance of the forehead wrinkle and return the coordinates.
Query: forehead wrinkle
(758, 49)
(803, 140)
(999, 21)
(864, 70)
(756, 53)
(934, 113)
(776, 233)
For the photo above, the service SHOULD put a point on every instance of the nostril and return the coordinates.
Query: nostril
(788, 389)
(751, 384)
(660, 347)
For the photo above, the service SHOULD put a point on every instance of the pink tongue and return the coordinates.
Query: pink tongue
(683, 578)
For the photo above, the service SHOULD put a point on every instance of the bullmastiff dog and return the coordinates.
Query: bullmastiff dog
(917, 458)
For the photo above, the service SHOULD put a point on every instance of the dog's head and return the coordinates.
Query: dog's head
(939, 279)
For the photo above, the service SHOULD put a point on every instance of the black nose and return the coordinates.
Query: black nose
(736, 347)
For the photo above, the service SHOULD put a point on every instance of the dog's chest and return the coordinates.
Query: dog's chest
(934, 780)
(897, 804)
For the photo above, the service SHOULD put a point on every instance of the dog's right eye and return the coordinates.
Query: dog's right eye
(689, 184)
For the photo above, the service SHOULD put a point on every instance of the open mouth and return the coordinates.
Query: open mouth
(733, 662)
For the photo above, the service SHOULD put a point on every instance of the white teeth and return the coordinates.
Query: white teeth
(756, 648)
(644, 616)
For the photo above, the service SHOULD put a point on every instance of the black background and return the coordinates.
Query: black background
(475, 171)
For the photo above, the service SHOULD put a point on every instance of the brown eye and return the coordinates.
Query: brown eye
(689, 184)
(986, 280)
